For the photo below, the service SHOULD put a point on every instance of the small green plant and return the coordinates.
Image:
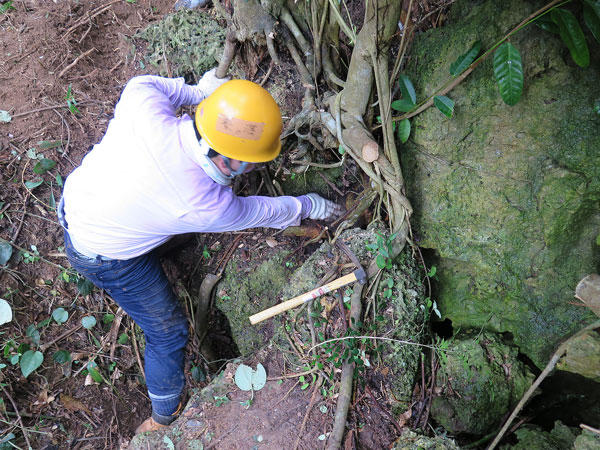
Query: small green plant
(384, 248)
(220, 400)
(289, 264)
(71, 102)
(205, 253)
(32, 256)
(5, 7)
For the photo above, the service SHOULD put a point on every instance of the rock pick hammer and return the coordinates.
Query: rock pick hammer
(358, 275)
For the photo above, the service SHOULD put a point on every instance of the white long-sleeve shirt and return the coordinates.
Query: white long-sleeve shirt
(143, 182)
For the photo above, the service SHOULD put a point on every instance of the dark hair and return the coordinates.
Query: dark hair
(211, 153)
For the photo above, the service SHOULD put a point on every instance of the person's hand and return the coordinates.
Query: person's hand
(209, 82)
(323, 209)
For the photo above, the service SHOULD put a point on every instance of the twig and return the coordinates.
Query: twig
(47, 345)
(18, 416)
(46, 108)
(587, 427)
(549, 367)
(313, 400)
(75, 61)
(90, 16)
(137, 351)
(18, 230)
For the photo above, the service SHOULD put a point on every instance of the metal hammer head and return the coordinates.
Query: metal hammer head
(361, 276)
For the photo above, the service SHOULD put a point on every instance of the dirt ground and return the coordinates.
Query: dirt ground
(63, 65)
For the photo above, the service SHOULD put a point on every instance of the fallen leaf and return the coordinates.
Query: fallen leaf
(271, 242)
(72, 404)
(385, 371)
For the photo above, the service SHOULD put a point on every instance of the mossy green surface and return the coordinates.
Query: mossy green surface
(413, 441)
(507, 196)
(481, 379)
(533, 437)
(251, 286)
(582, 356)
(587, 441)
(185, 43)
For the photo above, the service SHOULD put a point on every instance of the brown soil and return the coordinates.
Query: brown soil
(51, 49)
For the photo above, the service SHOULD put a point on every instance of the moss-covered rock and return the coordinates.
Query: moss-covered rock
(413, 441)
(533, 437)
(185, 43)
(481, 379)
(583, 356)
(507, 196)
(587, 441)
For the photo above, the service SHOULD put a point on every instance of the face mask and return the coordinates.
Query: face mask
(211, 168)
(239, 171)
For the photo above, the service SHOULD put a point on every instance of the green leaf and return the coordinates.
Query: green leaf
(108, 318)
(169, 443)
(402, 105)
(508, 71)
(404, 130)
(60, 315)
(88, 322)
(572, 36)
(407, 89)
(61, 357)
(5, 251)
(31, 185)
(380, 260)
(591, 16)
(198, 374)
(547, 24)
(30, 361)
(43, 166)
(84, 286)
(44, 145)
(465, 60)
(247, 379)
(5, 117)
(33, 333)
(5, 7)
(123, 338)
(59, 180)
(92, 368)
(444, 104)
(5, 312)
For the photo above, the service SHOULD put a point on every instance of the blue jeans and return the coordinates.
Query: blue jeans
(141, 288)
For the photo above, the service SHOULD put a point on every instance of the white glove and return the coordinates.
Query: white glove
(209, 82)
(323, 209)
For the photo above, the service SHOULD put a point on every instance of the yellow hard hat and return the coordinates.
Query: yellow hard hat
(240, 120)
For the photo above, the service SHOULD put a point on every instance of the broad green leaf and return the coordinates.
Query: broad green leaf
(49, 144)
(444, 104)
(572, 36)
(465, 60)
(198, 374)
(108, 318)
(247, 379)
(31, 185)
(43, 166)
(547, 24)
(52, 201)
(33, 333)
(407, 89)
(60, 315)
(84, 286)
(30, 361)
(508, 71)
(61, 357)
(404, 130)
(402, 105)
(5, 251)
(380, 260)
(123, 338)
(169, 443)
(5, 312)
(88, 322)
(591, 16)
(92, 368)
(5, 117)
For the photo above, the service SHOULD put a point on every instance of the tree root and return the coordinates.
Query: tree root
(346, 381)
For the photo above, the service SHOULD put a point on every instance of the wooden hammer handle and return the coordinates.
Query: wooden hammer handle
(296, 301)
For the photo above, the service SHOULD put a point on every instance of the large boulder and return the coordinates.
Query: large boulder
(481, 378)
(507, 196)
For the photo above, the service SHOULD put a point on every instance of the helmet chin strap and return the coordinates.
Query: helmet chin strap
(211, 168)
